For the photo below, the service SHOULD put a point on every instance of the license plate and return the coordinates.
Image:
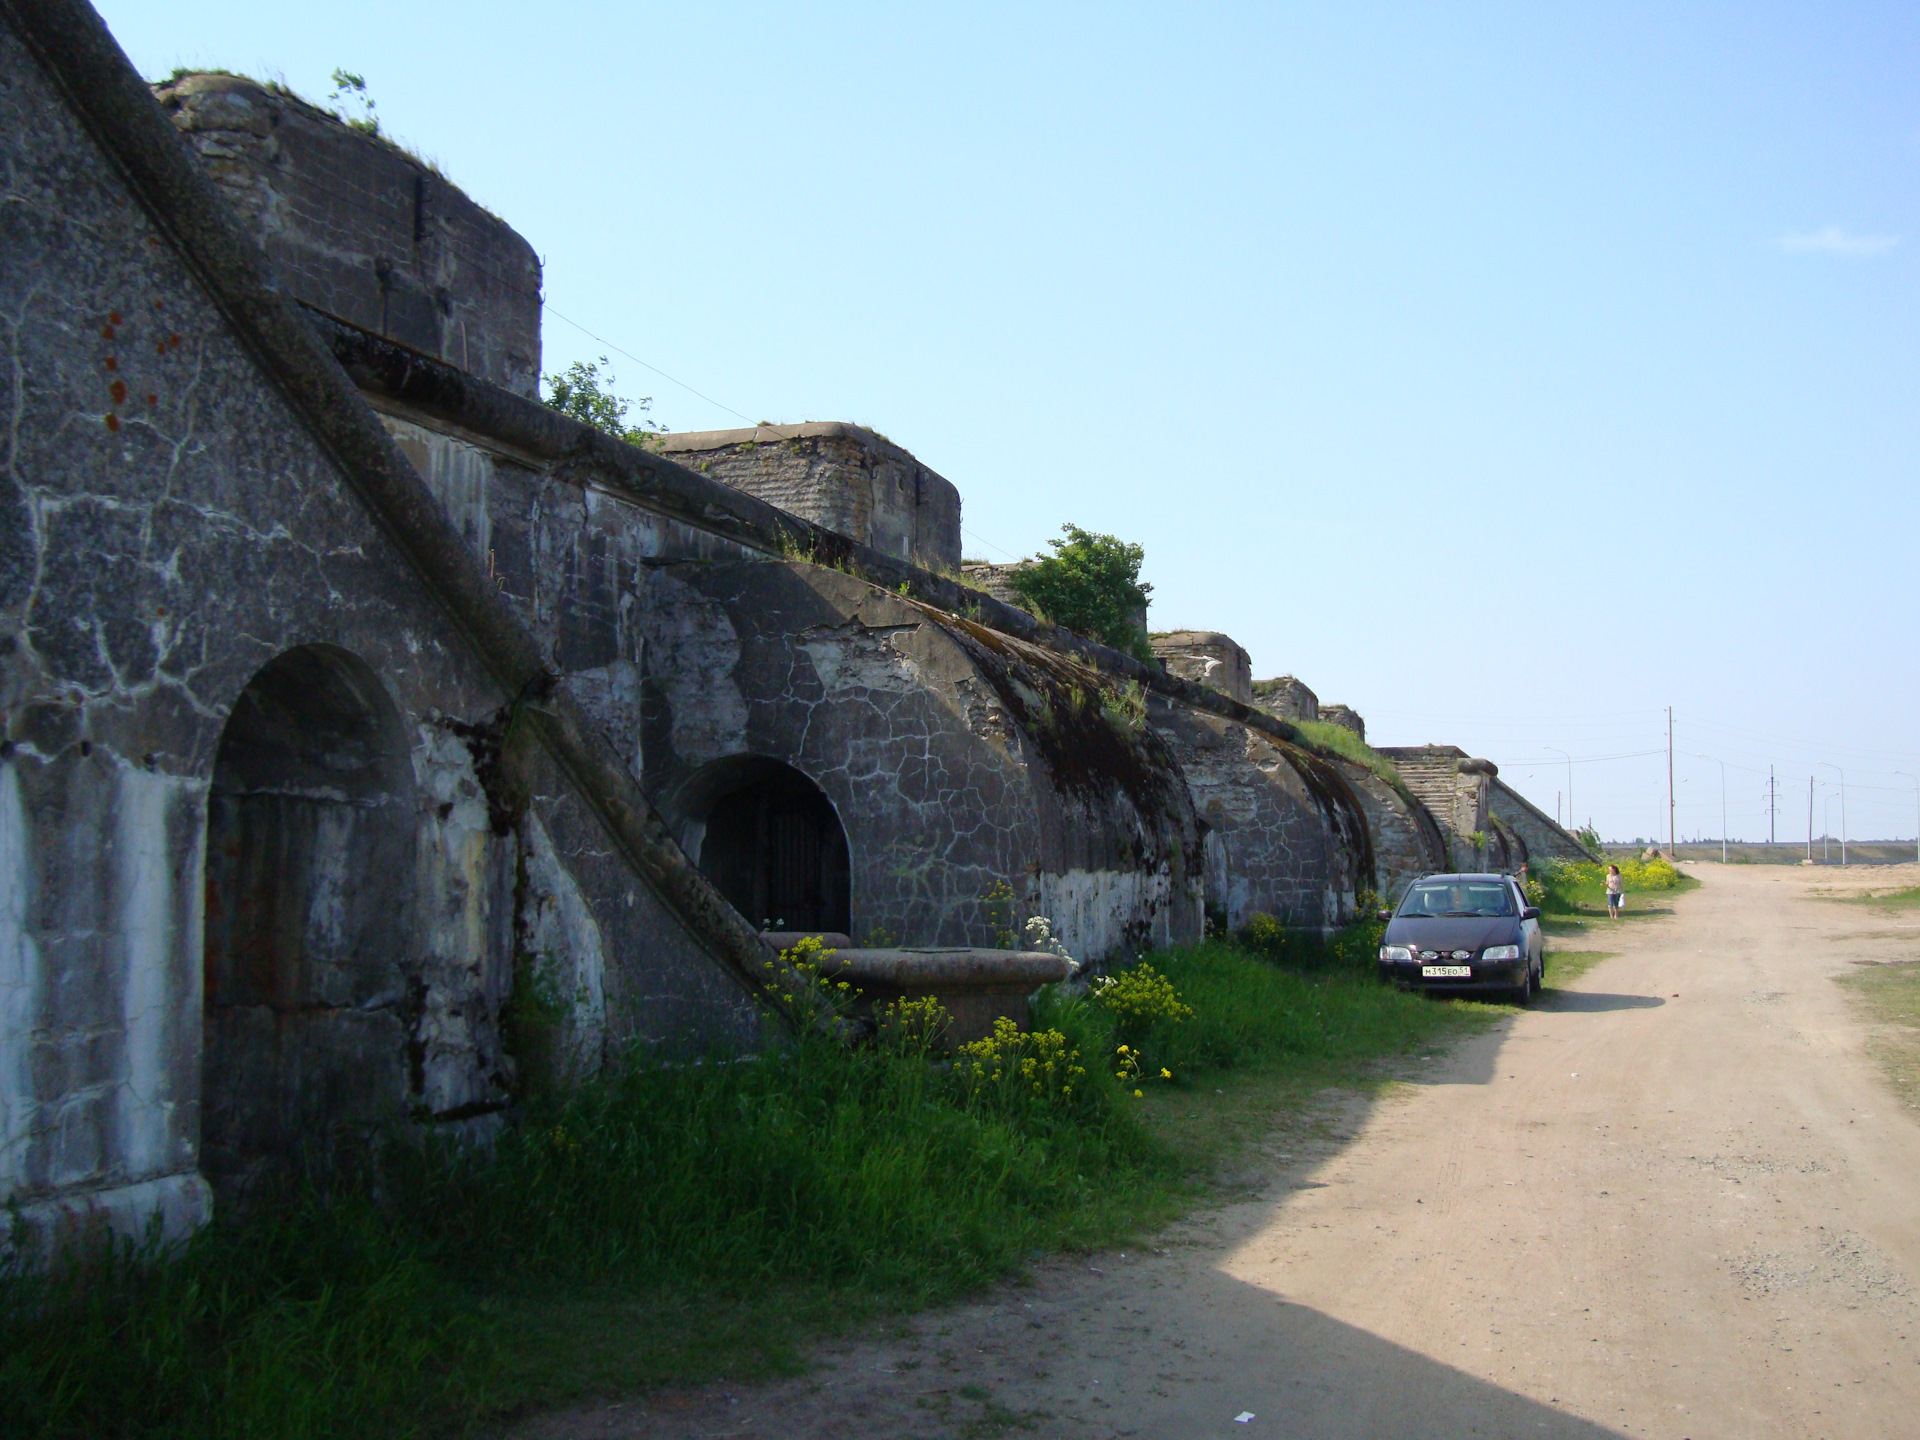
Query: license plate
(1446, 972)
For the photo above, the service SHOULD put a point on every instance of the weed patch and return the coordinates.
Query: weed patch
(1890, 994)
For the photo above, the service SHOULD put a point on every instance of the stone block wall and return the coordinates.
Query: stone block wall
(312, 752)
(1207, 658)
(843, 478)
(364, 231)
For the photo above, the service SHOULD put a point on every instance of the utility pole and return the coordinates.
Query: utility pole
(1723, 812)
(1809, 819)
(1670, 782)
(1773, 806)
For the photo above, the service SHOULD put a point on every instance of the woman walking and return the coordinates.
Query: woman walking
(1615, 891)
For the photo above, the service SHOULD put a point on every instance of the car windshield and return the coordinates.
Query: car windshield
(1459, 898)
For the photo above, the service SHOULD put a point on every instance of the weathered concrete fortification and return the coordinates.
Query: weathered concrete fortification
(1346, 717)
(346, 688)
(1286, 697)
(1209, 658)
(348, 692)
(1468, 798)
(843, 478)
(365, 231)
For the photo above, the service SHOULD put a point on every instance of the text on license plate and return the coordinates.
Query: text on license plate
(1446, 972)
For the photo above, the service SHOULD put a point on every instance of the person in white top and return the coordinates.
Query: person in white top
(1615, 891)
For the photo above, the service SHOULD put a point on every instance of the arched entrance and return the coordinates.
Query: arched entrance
(309, 857)
(770, 841)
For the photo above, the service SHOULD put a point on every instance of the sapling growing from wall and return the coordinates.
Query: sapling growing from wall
(579, 393)
(351, 102)
(1090, 585)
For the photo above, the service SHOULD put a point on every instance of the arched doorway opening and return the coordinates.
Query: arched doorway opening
(770, 841)
(309, 857)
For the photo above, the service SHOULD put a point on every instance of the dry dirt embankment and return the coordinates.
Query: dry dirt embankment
(1675, 1200)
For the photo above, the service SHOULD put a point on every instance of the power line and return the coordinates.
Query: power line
(1583, 759)
(602, 340)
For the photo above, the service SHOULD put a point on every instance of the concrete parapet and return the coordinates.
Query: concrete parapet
(1345, 717)
(361, 229)
(843, 478)
(1286, 697)
(1209, 658)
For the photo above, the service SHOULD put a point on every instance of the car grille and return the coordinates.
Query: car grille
(1446, 954)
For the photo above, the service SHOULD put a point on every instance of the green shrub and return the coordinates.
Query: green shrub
(1090, 585)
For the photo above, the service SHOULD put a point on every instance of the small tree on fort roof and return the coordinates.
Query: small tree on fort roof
(579, 393)
(1091, 585)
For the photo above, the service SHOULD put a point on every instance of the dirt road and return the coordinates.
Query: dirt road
(1674, 1201)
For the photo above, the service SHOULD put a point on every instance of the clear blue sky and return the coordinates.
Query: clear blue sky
(1508, 373)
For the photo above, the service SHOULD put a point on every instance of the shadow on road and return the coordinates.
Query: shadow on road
(1592, 1003)
(1097, 1351)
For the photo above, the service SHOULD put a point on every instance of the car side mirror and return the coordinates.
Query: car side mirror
(1383, 914)
(1529, 913)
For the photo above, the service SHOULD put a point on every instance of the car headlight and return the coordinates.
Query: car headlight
(1501, 952)
(1395, 952)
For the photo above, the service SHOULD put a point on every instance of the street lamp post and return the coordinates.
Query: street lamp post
(1558, 751)
(1843, 808)
(1826, 831)
(1723, 812)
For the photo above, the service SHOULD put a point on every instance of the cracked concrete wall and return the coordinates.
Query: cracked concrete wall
(1285, 836)
(167, 527)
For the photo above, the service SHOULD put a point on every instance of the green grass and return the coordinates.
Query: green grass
(1343, 741)
(1566, 966)
(1886, 899)
(1891, 995)
(679, 1223)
